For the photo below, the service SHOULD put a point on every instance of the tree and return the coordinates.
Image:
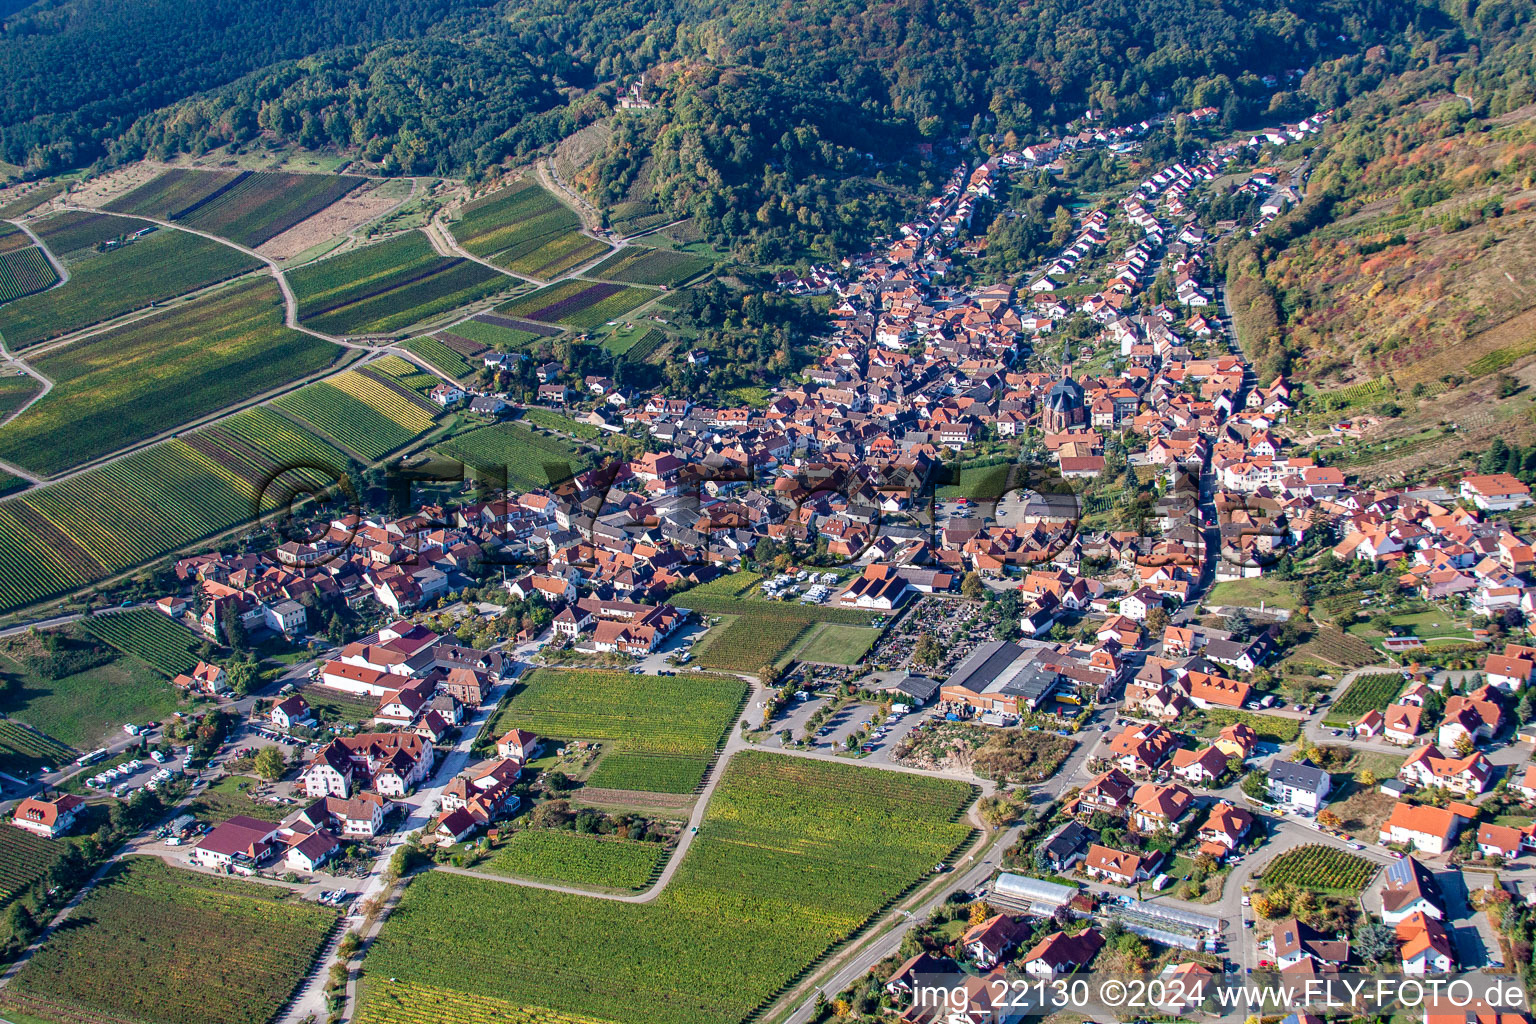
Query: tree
(1328, 819)
(1262, 905)
(1376, 943)
(979, 912)
(926, 651)
(1239, 623)
(1464, 745)
(1366, 778)
(972, 586)
(243, 675)
(1157, 621)
(1304, 905)
(1256, 785)
(270, 764)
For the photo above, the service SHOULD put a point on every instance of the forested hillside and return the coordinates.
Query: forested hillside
(1414, 251)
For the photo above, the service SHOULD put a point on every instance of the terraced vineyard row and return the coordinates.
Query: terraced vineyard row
(24, 857)
(525, 229)
(247, 207)
(22, 752)
(431, 349)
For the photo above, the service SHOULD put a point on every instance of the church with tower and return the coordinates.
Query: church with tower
(1064, 406)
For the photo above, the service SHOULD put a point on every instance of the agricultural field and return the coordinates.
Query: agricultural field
(624, 340)
(832, 644)
(360, 413)
(57, 538)
(247, 207)
(126, 384)
(1272, 728)
(706, 602)
(746, 643)
(139, 948)
(264, 448)
(560, 423)
(24, 857)
(26, 202)
(444, 358)
(638, 265)
(12, 238)
(493, 333)
(1320, 869)
(1370, 692)
(330, 704)
(648, 345)
(75, 234)
(24, 271)
(571, 858)
(666, 727)
(582, 305)
(23, 751)
(80, 709)
(731, 584)
(525, 229)
(16, 390)
(402, 373)
(530, 460)
(793, 857)
(1333, 645)
(384, 287)
(131, 277)
(147, 635)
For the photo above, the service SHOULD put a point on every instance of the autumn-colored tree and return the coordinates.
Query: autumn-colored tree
(1366, 777)
(1464, 745)
(980, 911)
(1262, 905)
(1304, 905)
(1328, 819)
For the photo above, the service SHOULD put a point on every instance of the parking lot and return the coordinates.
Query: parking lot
(122, 777)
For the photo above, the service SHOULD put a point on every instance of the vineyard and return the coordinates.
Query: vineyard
(1319, 868)
(490, 333)
(431, 350)
(402, 373)
(154, 943)
(391, 1001)
(530, 459)
(578, 304)
(748, 643)
(664, 267)
(678, 721)
(359, 413)
(571, 858)
(526, 230)
(147, 635)
(124, 385)
(24, 271)
(12, 238)
(56, 538)
(74, 232)
(18, 203)
(23, 751)
(1371, 692)
(24, 858)
(793, 857)
(731, 584)
(161, 266)
(1333, 645)
(247, 207)
(383, 287)
(646, 347)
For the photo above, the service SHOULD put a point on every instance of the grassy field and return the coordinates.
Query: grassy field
(31, 200)
(1252, 593)
(564, 424)
(24, 271)
(88, 707)
(148, 635)
(127, 384)
(247, 207)
(659, 731)
(528, 459)
(832, 644)
(229, 797)
(152, 269)
(980, 483)
(793, 857)
(140, 947)
(1269, 727)
(578, 304)
(638, 265)
(570, 858)
(525, 229)
(339, 705)
(387, 286)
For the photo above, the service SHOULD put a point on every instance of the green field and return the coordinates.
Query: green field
(75, 233)
(571, 858)
(15, 390)
(1370, 692)
(529, 459)
(747, 644)
(147, 635)
(83, 709)
(1268, 727)
(129, 383)
(638, 265)
(526, 230)
(33, 199)
(980, 483)
(661, 729)
(579, 304)
(493, 335)
(140, 947)
(833, 644)
(23, 751)
(229, 797)
(1252, 593)
(384, 287)
(793, 857)
(548, 420)
(339, 705)
(152, 269)
(247, 207)
(440, 356)
(24, 271)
